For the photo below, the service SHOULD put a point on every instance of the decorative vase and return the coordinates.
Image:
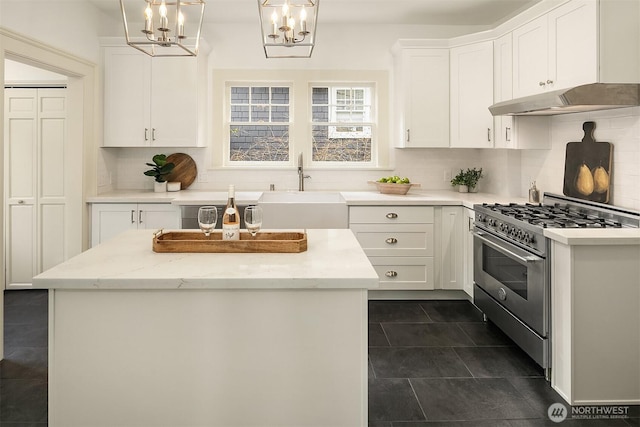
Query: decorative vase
(463, 188)
(160, 187)
(174, 186)
(473, 189)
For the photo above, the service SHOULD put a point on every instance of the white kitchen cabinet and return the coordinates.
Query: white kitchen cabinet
(421, 98)
(38, 192)
(150, 102)
(399, 241)
(557, 50)
(472, 95)
(467, 243)
(451, 251)
(520, 132)
(109, 219)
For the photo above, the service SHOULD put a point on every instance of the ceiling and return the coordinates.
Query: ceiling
(398, 12)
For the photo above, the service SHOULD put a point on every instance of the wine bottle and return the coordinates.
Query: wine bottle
(231, 218)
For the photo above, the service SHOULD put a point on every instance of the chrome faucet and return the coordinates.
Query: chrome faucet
(301, 175)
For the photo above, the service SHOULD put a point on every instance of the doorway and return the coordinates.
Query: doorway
(79, 170)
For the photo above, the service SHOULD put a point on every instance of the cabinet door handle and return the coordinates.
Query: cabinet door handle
(489, 134)
(507, 134)
(392, 215)
(391, 273)
(146, 134)
(549, 82)
(140, 216)
(153, 134)
(133, 221)
(542, 83)
(408, 135)
(391, 241)
(20, 202)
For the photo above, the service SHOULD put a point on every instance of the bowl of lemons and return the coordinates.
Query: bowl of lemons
(394, 185)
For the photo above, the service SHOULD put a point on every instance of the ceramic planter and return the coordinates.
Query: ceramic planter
(159, 187)
(463, 188)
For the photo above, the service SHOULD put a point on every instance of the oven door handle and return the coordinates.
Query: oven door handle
(500, 248)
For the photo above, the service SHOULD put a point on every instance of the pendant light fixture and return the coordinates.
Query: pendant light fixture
(168, 28)
(288, 27)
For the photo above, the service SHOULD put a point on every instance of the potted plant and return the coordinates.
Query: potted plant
(461, 181)
(160, 169)
(472, 177)
(467, 180)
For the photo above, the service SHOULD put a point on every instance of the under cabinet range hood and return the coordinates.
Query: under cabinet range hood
(589, 97)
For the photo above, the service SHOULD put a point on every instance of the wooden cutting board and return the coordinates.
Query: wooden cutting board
(185, 171)
(587, 167)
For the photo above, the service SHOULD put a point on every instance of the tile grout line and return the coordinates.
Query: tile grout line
(417, 400)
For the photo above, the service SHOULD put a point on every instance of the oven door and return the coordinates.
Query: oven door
(517, 279)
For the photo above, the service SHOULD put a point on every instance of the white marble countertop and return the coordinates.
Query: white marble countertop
(333, 260)
(594, 236)
(414, 197)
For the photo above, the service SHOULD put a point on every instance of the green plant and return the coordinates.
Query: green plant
(470, 177)
(161, 168)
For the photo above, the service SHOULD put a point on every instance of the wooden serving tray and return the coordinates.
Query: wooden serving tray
(196, 242)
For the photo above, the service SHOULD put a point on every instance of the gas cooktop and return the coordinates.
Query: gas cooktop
(524, 224)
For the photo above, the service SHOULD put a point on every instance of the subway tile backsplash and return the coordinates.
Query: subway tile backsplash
(507, 172)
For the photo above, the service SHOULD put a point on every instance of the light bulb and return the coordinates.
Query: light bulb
(148, 13)
(163, 10)
(303, 14)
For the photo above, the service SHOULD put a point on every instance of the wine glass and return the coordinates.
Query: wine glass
(207, 219)
(253, 219)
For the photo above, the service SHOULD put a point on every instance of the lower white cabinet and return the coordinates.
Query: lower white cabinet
(451, 265)
(399, 241)
(109, 219)
(467, 243)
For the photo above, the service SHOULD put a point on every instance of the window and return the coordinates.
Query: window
(342, 123)
(265, 118)
(254, 135)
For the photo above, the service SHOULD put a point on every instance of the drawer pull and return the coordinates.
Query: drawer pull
(392, 215)
(391, 241)
(133, 221)
(391, 273)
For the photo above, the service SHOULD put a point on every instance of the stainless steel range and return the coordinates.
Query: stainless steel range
(512, 262)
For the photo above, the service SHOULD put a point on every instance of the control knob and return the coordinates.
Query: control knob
(527, 238)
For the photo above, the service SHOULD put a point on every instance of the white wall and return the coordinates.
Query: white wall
(620, 127)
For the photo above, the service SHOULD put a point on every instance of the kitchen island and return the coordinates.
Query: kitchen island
(166, 339)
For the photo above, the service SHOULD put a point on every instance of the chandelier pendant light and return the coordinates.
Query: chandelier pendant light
(167, 28)
(288, 27)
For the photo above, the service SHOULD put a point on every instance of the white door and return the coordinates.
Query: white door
(472, 95)
(530, 58)
(36, 198)
(127, 86)
(108, 220)
(159, 215)
(174, 102)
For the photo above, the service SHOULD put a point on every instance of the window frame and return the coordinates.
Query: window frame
(300, 81)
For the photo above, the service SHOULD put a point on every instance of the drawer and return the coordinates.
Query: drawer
(391, 214)
(395, 240)
(404, 273)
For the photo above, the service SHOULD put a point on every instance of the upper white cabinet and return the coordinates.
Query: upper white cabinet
(150, 102)
(471, 95)
(530, 132)
(421, 96)
(579, 42)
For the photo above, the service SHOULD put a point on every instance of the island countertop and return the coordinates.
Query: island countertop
(333, 260)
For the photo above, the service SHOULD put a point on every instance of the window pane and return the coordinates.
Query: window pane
(259, 143)
(239, 95)
(279, 114)
(280, 95)
(259, 95)
(344, 148)
(239, 113)
(259, 113)
(320, 95)
(320, 113)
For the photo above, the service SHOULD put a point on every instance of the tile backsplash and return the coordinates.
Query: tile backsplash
(507, 172)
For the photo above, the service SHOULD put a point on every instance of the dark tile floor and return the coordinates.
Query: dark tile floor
(23, 372)
(436, 363)
(431, 364)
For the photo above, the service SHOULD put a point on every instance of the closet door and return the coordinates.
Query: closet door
(35, 199)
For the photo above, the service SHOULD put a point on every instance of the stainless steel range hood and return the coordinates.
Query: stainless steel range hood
(590, 97)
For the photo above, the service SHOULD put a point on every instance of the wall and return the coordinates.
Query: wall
(620, 127)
